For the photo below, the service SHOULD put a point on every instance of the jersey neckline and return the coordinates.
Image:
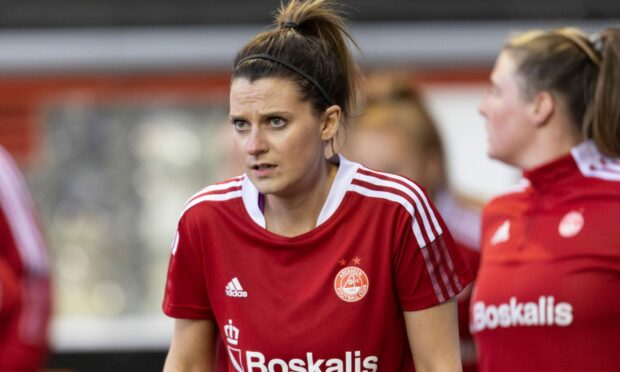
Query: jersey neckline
(583, 160)
(344, 175)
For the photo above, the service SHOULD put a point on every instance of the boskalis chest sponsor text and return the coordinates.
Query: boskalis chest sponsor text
(546, 311)
(256, 361)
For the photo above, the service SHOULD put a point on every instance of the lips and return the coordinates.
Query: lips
(263, 170)
(263, 166)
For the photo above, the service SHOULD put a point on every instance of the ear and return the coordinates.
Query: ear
(331, 122)
(542, 108)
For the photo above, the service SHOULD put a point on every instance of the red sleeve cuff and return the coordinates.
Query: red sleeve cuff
(429, 300)
(187, 312)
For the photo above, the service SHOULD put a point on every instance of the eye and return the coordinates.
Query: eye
(277, 122)
(493, 90)
(240, 125)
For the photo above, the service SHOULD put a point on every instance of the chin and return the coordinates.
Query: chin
(496, 156)
(265, 186)
(503, 158)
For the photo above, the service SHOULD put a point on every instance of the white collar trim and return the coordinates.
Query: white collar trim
(344, 176)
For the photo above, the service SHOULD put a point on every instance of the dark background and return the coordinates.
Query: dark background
(113, 13)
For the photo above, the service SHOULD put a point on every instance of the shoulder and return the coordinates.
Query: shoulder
(389, 188)
(218, 193)
(401, 193)
(512, 195)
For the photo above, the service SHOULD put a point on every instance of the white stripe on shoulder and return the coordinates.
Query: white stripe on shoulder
(237, 181)
(212, 197)
(398, 186)
(394, 198)
(437, 254)
(592, 163)
(16, 203)
(197, 199)
(430, 268)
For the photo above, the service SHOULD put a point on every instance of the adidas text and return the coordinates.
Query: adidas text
(234, 289)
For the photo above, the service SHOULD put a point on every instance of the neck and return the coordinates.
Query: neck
(295, 214)
(552, 142)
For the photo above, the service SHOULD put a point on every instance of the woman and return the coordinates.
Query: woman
(546, 293)
(397, 134)
(306, 263)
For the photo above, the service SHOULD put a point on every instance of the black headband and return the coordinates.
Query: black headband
(292, 68)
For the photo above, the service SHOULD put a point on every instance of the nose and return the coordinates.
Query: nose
(257, 143)
(482, 107)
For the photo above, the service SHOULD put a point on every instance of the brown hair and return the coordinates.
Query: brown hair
(586, 73)
(310, 36)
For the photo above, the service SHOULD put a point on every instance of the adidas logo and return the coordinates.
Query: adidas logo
(234, 289)
(502, 234)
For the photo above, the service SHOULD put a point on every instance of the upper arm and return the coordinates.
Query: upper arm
(433, 337)
(193, 346)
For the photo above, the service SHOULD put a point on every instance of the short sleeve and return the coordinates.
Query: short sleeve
(186, 293)
(429, 268)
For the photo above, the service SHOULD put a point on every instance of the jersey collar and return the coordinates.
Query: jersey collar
(344, 176)
(583, 160)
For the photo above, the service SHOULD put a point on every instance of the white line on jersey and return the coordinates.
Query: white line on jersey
(418, 204)
(416, 189)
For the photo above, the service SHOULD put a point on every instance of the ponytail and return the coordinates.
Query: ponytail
(309, 46)
(605, 124)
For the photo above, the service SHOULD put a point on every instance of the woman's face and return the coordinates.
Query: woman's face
(377, 142)
(505, 109)
(277, 137)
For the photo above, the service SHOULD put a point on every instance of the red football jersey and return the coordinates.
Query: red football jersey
(331, 299)
(24, 276)
(546, 295)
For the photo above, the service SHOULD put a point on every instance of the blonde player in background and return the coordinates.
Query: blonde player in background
(546, 295)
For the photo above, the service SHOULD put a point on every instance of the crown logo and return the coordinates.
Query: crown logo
(232, 333)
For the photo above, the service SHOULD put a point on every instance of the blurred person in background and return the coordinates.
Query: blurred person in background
(309, 262)
(546, 296)
(24, 276)
(397, 134)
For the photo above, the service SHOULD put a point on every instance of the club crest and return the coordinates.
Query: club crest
(351, 284)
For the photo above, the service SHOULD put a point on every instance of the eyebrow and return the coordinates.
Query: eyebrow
(263, 115)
